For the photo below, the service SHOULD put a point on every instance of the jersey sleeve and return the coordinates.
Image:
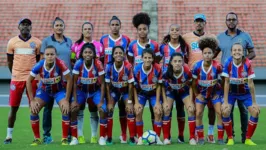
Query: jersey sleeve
(108, 73)
(195, 71)
(251, 73)
(161, 50)
(130, 50)
(77, 66)
(219, 69)
(10, 48)
(160, 74)
(36, 69)
(225, 72)
(99, 66)
(156, 49)
(63, 67)
(130, 74)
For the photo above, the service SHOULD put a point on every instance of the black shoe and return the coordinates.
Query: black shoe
(8, 141)
(180, 139)
(243, 139)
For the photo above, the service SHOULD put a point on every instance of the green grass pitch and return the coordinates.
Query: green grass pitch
(23, 136)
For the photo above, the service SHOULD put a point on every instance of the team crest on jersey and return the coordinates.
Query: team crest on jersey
(125, 78)
(32, 45)
(12, 87)
(154, 79)
(244, 74)
(167, 92)
(183, 79)
(55, 74)
(93, 72)
(113, 94)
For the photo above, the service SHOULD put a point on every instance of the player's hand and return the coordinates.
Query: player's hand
(34, 106)
(138, 108)
(100, 107)
(158, 107)
(74, 106)
(191, 107)
(166, 107)
(110, 107)
(255, 107)
(64, 106)
(225, 109)
(129, 108)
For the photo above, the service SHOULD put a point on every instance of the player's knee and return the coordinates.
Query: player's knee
(255, 113)
(167, 112)
(157, 113)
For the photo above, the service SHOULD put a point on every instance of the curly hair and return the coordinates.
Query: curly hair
(210, 42)
(141, 18)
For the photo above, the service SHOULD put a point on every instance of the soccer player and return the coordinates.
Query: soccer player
(86, 37)
(194, 55)
(23, 51)
(148, 80)
(173, 42)
(115, 38)
(226, 40)
(141, 22)
(119, 79)
(52, 71)
(204, 84)
(88, 83)
(177, 80)
(63, 47)
(239, 74)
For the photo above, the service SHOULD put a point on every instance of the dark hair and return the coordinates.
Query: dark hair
(90, 46)
(209, 42)
(149, 51)
(113, 51)
(82, 37)
(238, 43)
(141, 18)
(232, 13)
(50, 46)
(114, 18)
(58, 19)
(170, 71)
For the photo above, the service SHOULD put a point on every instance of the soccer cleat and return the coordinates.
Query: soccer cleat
(192, 141)
(102, 141)
(109, 141)
(249, 142)
(166, 142)
(36, 142)
(64, 141)
(93, 140)
(180, 139)
(140, 141)
(230, 142)
(132, 141)
(8, 141)
(201, 142)
(81, 140)
(220, 142)
(210, 139)
(123, 139)
(74, 141)
(47, 140)
(158, 140)
(243, 139)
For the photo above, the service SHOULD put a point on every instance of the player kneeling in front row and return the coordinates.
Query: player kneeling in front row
(177, 80)
(239, 85)
(148, 80)
(88, 83)
(52, 71)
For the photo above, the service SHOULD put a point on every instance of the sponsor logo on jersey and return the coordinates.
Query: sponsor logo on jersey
(147, 87)
(108, 51)
(119, 84)
(54, 80)
(32, 45)
(238, 80)
(88, 80)
(207, 83)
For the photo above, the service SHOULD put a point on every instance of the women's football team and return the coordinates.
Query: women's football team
(116, 70)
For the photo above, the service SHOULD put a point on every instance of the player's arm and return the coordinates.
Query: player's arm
(29, 87)
(75, 80)
(158, 93)
(102, 88)
(251, 53)
(252, 90)
(10, 58)
(216, 53)
(194, 87)
(163, 94)
(226, 89)
(108, 93)
(69, 85)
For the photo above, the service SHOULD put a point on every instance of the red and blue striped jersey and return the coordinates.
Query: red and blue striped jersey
(238, 75)
(135, 50)
(179, 83)
(108, 43)
(167, 50)
(88, 78)
(147, 82)
(207, 80)
(51, 81)
(119, 78)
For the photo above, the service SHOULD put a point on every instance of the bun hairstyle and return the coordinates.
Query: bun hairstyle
(58, 19)
(141, 18)
(90, 46)
(114, 18)
(149, 50)
(209, 42)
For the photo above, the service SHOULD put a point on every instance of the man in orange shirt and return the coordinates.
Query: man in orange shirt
(194, 55)
(23, 51)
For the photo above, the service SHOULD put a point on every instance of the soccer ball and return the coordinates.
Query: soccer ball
(149, 137)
